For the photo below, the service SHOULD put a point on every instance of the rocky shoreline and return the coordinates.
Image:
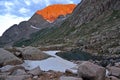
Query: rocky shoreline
(86, 71)
(108, 68)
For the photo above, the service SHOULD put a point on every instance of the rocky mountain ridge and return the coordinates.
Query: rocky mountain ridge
(37, 22)
(88, 10)
(52, 12)
(23, 30)
(94, 27)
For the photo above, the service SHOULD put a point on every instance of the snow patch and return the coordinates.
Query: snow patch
(54, 63)
(34, 27)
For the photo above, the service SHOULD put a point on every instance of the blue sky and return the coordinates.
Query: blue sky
(15, 11)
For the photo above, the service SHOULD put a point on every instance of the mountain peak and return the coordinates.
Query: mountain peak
(51, 12)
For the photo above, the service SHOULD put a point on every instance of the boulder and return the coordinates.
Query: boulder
(3, 77)
(17, 54)
(32, 53)
(11, 69)
(90, 71)
(69, 72)
(21, 77)
(112, 78)
(69, 78)
(114, 71)
(19, 72)
(6, 68)
(117, 64)
(29, 79)
(7, 58)
(35, 72)
(50, 75)
(4, 74)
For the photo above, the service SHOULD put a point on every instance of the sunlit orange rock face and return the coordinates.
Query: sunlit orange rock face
(51, 12)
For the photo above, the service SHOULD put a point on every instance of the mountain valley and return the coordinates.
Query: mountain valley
(64, 42)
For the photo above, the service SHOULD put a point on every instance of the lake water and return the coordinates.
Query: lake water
(55, 63)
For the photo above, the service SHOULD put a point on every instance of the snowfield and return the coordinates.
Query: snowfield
(55, 63)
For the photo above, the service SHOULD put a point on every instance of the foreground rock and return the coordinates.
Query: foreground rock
(90, 71)
(50, 75)
(112, 78)
(35, 72)
(114, 71)
(32, 53)
(10, 68)
(19, 72)
(70, 78)
(8, 58)
(20, 77)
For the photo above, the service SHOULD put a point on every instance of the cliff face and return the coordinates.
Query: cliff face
(51, 12)
(88, 10)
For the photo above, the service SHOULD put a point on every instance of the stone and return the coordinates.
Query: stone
(114, 71)
(21, 77)
(10, 68)
(88, 70)
(17, 53)
(7, 58)
(29, 79)
(115, 50)
(112, 78)
(50, 75)
(35, 72)
(69, 72)
(3, 77)
(4, 73)
(6, 68)
(117, 64)
(69, 78)
(19, 72)
(32, 53)
(35, 77)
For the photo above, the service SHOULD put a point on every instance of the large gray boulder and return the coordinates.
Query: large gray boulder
(32, 53)
(18, 72)
(7, 58)
(69, 78)
(90, 71)
(36, 71)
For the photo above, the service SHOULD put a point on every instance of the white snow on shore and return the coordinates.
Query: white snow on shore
(53, 63)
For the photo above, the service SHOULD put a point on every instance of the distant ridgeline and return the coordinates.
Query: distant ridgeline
(52, 15)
